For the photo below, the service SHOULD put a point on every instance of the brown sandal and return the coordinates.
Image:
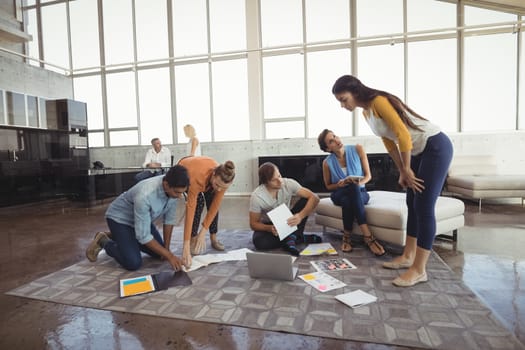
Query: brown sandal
(371, 241)
(346, 247)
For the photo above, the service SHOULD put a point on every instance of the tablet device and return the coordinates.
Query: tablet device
(354, 177)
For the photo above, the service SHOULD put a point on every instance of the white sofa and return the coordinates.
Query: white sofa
(478, 177)
(386, 215)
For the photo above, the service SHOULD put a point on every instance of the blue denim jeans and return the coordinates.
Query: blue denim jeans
(124, 247)
(146, 174)
(352, 199)
(431, 165)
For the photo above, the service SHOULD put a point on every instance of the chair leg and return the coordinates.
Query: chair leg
(453, 237)
(479, 206)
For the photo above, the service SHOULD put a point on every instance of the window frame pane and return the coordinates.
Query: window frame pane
(151, 29)
(283, 87)
(482, 87)
(118, 32)
(281, 22)
(432, 81)
(193, 100)
(121, 100)
(155, 105)
(84, 33)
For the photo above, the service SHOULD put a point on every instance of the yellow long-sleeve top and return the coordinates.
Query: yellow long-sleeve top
(200, 170)
(386, 123)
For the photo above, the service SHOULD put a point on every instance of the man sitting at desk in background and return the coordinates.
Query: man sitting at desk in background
(157, 158)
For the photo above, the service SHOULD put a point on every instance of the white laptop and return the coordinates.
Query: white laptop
(271, 266)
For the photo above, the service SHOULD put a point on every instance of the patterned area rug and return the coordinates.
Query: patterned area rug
(440, 314)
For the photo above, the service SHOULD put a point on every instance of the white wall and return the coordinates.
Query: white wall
(508, 147)
(30, 80)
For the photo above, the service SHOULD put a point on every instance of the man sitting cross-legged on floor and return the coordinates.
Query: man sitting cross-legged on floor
(273, 190)
(131, 218)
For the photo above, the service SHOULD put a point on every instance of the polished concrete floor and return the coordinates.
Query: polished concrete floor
(36, 240)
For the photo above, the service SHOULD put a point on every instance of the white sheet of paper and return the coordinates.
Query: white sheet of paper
(237, 254)
(199, 261)
(279, 216)
(356, 298)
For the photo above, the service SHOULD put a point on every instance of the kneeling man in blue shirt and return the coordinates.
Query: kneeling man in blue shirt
(131, 218)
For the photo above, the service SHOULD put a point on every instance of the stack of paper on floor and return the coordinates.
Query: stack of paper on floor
(356, 298)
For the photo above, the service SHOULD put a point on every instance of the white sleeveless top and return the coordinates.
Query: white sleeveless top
(197, 150)
(419, 138)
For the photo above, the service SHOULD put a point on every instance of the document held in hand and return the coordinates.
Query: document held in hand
(279, 216)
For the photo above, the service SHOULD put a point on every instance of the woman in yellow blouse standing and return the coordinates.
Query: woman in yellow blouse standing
(422, 154)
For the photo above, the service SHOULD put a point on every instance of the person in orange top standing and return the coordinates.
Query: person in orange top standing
(208, 182)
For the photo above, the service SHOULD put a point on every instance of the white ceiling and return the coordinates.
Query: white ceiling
(513, 5)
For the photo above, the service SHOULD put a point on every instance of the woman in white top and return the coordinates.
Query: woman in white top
(193, 147)
(421, 153)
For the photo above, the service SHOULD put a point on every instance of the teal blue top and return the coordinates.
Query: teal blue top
(353, 165)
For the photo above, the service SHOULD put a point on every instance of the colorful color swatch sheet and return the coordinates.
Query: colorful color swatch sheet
(319, 249)
(321, 281)
(136, 285)
(336, 264)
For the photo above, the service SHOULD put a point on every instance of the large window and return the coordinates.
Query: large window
(155, 106)
(230, 100)
(152, 29)
(189, 27)
(489, 100)
(32, 111)
(88, 90)
(144, 75)
(193, 100)
(283, 78)
(16, 108)
(118, 31)
(325, 23)
(54, 36)
(281, 22)
(380, 67)
(123, 138)
(443, 15)
(372, 22)
(432, 81)
(84, 33)
(122, 108)
(476, 16)
(227, 25)
(324, 111)
(32, 29)
(283, 86)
